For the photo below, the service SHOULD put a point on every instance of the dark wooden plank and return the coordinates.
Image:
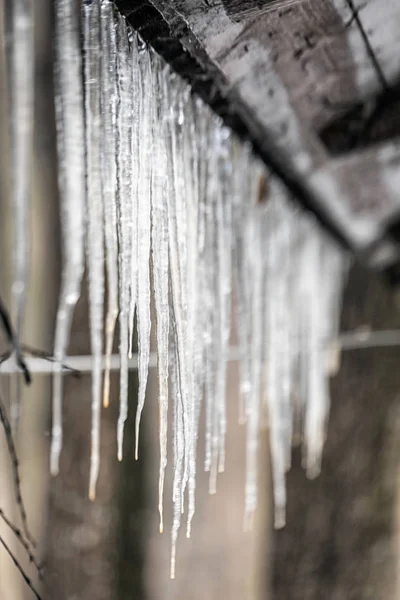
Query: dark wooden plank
(289, 70)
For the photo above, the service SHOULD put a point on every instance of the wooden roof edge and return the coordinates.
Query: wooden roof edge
(169, 34)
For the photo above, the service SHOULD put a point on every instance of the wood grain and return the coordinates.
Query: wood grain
(293, 68)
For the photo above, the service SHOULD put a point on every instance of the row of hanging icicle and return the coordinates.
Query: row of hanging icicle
(149, 175)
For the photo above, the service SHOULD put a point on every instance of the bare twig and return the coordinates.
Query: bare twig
(24, 543)
(47, 356)
(20, 569)
(11, 337)
(15, 467)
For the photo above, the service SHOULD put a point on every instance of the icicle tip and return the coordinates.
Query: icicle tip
(161, 512)
(280, 517)
(54, 470)
(137, 446)
(106, 390)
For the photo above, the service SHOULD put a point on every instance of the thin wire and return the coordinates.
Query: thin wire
(20, 537)
(83, 363)
(351, 340)
(357, 340)
(15, 468)
(20, 569)
(13, 340)
(370, 51)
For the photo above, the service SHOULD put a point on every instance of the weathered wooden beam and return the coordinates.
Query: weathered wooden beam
(286, 74)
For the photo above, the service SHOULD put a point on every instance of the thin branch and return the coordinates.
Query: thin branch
(20, 537)
(370, 51)
(12, 338)
(20, 569)
(35, 352)
(15, 467)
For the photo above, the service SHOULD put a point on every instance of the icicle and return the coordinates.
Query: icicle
(324, 274)
(195, 351)
(210, 302)
(108, 101)
(135, 157)
(214, 229)
(95, 222)
(275, 334)
(159, 241)
(124, 175)
(301, 326)
(179, 451)
(177, 228)
(144, 230)
(241, 206)
(317, 387)
(224, 249)
(21, 72)
(204, 322)
(256, 263)
(182, 157)
(70, 142)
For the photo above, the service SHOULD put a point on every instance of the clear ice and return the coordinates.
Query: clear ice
(179, 208)
(94, 220)
(19, 19)
(19, 15)
(108, 103)
(71, 175)
(123, 135)
(144, 199)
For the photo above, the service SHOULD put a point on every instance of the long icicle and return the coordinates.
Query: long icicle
(95, 221)
(224, 250)
(124, 174)
(175, 218)
(178, 452)
(71, 169)
(159, 242)
(21, 82)
(21, 73)
(273, 356)
(108, 101)
(135, 165)
(144, 231)
(195, 353)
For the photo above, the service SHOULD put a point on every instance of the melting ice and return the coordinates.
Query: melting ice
(168, 186)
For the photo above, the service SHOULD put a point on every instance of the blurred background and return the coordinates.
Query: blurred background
(342, 535)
